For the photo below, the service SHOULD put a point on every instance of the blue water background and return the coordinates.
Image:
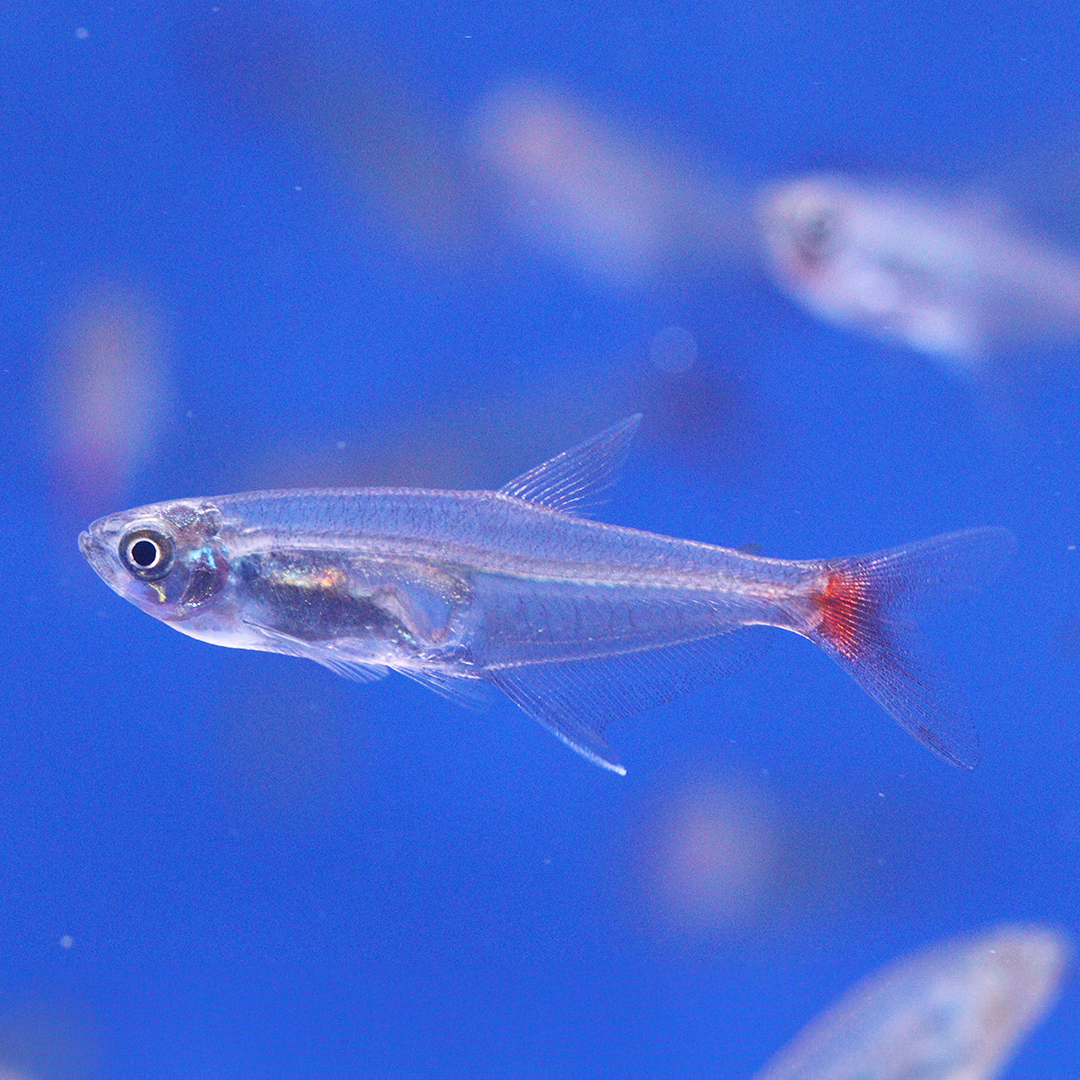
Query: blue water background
(261, 870)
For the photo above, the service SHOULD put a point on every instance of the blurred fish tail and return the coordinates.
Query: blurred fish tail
(865, 609)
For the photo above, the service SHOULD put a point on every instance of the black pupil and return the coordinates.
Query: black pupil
(144, 553)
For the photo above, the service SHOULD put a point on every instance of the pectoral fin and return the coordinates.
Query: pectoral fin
(333, 656)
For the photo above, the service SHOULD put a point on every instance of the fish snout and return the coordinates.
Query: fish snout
(94, 552)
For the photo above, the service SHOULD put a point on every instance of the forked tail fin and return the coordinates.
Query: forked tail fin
(865, 609)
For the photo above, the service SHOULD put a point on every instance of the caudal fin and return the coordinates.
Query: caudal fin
(866, 609)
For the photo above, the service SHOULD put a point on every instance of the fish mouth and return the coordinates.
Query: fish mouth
(94, 553)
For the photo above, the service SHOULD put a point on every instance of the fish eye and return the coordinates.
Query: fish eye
(146, 553)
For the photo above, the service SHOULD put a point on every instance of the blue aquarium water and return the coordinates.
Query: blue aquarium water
(254, 246)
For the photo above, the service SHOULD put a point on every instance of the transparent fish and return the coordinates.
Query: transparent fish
(955, 1011)
(942, 276)
(576, 621)
(620, 207)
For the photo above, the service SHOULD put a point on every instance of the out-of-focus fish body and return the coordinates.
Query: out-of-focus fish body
(955, 1011)
(938, 275)
(577, 621)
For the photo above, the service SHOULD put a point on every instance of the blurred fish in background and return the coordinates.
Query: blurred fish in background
(941, 275)
(700, 410)
(107, 394)
(718, 858)
(959, 279)
(713, 855)
(955, 1011)
(530, 162)
(276, 67)
(619, 210)
(528, 168)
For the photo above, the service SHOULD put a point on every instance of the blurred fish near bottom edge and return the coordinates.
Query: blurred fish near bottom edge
(954, 1011)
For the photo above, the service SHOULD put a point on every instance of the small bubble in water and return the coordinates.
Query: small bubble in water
(82, 33)
(673, 350)
(67, 941)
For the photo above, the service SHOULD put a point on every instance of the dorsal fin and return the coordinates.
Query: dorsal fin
(574, 479)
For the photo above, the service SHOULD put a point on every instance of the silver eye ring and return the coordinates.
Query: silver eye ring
(146, 554)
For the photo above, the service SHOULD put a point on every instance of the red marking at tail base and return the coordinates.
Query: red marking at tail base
(844, 604)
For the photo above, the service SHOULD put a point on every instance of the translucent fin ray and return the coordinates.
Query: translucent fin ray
(575, 478)
(333, 656)
(867, 606)
(577, 700)
(474, 693)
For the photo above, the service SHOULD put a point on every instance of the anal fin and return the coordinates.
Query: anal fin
(575, 700)
(545, 701)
